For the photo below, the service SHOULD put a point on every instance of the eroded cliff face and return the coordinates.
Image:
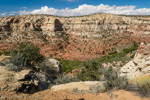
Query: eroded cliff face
(139, 65)
(75, 38)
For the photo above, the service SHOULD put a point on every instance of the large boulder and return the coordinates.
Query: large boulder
(52, 67)
(139, 65)
(25, 81)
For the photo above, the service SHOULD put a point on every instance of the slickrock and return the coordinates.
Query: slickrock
(139, 65)
(77, 85)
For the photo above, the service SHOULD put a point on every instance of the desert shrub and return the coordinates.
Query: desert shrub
(144, 88)
(18, 60)
(112, 80)
(26, 55)
(13, 67)
(142, 84)
(90, 72)
(97, 89)
(62, 79)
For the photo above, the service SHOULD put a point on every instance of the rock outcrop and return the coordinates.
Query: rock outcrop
(84, 86)
(139, 65)
(25, 81)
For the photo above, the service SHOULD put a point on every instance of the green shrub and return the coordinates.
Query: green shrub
(113, 81)
(90, 72)
(26, 55)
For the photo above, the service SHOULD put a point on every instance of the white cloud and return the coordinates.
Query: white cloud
(88, 9)
(3, 14)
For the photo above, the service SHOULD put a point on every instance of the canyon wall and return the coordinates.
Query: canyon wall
(76, 38)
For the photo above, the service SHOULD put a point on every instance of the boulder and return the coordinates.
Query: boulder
(52, 67)
(25, 81)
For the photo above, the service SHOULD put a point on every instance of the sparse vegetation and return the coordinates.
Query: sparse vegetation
(142, 84)
(118, 56)
(68, 65)
(62, 79)
(97, 89)
(132, 48)
(113, 81)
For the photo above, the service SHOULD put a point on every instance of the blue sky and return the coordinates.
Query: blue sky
(73, 7)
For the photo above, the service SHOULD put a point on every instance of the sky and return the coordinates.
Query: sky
(74, 7)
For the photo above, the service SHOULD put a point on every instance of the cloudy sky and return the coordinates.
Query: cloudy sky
(74, 7)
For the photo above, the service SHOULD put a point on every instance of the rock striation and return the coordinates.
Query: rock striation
(74, 38)
(139, 65)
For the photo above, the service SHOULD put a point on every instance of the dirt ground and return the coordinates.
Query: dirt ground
(68, 95)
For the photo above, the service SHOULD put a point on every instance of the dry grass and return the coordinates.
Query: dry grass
(143, 84)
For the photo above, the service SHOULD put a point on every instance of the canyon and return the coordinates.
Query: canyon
(74, 38)
(113, 39)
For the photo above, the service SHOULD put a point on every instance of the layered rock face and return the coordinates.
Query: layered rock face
(140, 65)
(75, 38)
(92, 25)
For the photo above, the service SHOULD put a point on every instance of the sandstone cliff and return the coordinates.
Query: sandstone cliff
(75, 38)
